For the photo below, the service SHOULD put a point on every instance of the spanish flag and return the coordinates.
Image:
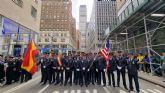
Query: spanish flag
(29, 62)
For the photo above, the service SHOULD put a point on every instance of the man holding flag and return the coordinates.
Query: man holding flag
(102, 63)
(104, 52)
(29, 62)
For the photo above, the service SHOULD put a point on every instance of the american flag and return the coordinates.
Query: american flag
(104, 51)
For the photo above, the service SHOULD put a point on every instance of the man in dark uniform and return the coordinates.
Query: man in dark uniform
(41, 63)
(54, 69)
(9, 71)
(2, 71)
(132, 67)
(91, 74)
(111, 69)
(101, 68)
(18, 62)
(77, 70)
(47, 69)
(84, 65)
(68, 70)
(121, 64)
(60, 69)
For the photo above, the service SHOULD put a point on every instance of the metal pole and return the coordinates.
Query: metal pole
(148, 46)
(134, 43)
(116, 43)
(127, 41)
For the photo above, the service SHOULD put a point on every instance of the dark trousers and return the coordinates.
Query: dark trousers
(111, 76)
(17, 75)
(47, 76)
(54, 75)
(77, 77)
(83, 78)
(59, 76)
(9, 76)
(42, 75)
(122, 72)
(91, 76)
(68, 76)
(101, 76)
(135, 78)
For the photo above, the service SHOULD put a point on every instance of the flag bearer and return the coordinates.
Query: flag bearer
(101, 69)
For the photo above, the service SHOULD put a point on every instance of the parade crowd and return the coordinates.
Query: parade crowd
(85, 69)
(81, 69)
(11, 71)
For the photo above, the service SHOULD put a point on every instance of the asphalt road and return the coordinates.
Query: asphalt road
(33, 86)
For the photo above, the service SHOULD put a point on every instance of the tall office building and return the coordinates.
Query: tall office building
(58, 27)
(83, 26)
(105, 15)
(102, 17)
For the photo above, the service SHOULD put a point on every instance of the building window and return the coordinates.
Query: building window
(63, 46)
(54, 39)
(46, 39)
(18, 2)
(62, 39)
(39, 39)
(33, 12)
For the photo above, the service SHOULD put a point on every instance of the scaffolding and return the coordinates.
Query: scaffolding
(141, 32)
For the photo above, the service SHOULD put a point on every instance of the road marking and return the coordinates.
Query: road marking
(122, 91)
(106, 90)
(151, 91)
(158, 91)
(66, 91)
(143, 91)
(55, 92)
(94, 90)
(72, 91)
(78, 91)
(43, 89)
(20, 86)
(87, 91)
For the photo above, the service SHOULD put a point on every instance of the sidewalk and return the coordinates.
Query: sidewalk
(153, 79)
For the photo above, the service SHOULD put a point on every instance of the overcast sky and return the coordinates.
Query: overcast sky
(75, 9)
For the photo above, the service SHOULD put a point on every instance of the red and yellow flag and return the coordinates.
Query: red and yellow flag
(29, 62)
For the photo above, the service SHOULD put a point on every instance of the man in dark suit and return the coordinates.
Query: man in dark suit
(111, 68)
(68, 65)
(121, 69)
(101, 69)
(132, 67)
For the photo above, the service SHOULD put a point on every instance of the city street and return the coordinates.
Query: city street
(34, 86)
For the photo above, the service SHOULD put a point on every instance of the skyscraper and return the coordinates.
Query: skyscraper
(83, 26)
(105, 15)
(57, 26)
(102, 17)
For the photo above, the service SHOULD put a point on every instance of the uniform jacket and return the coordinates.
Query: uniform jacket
(121, 62)
(132, 66)
(101, 63)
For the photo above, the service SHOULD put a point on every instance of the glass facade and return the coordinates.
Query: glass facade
(14, 37)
